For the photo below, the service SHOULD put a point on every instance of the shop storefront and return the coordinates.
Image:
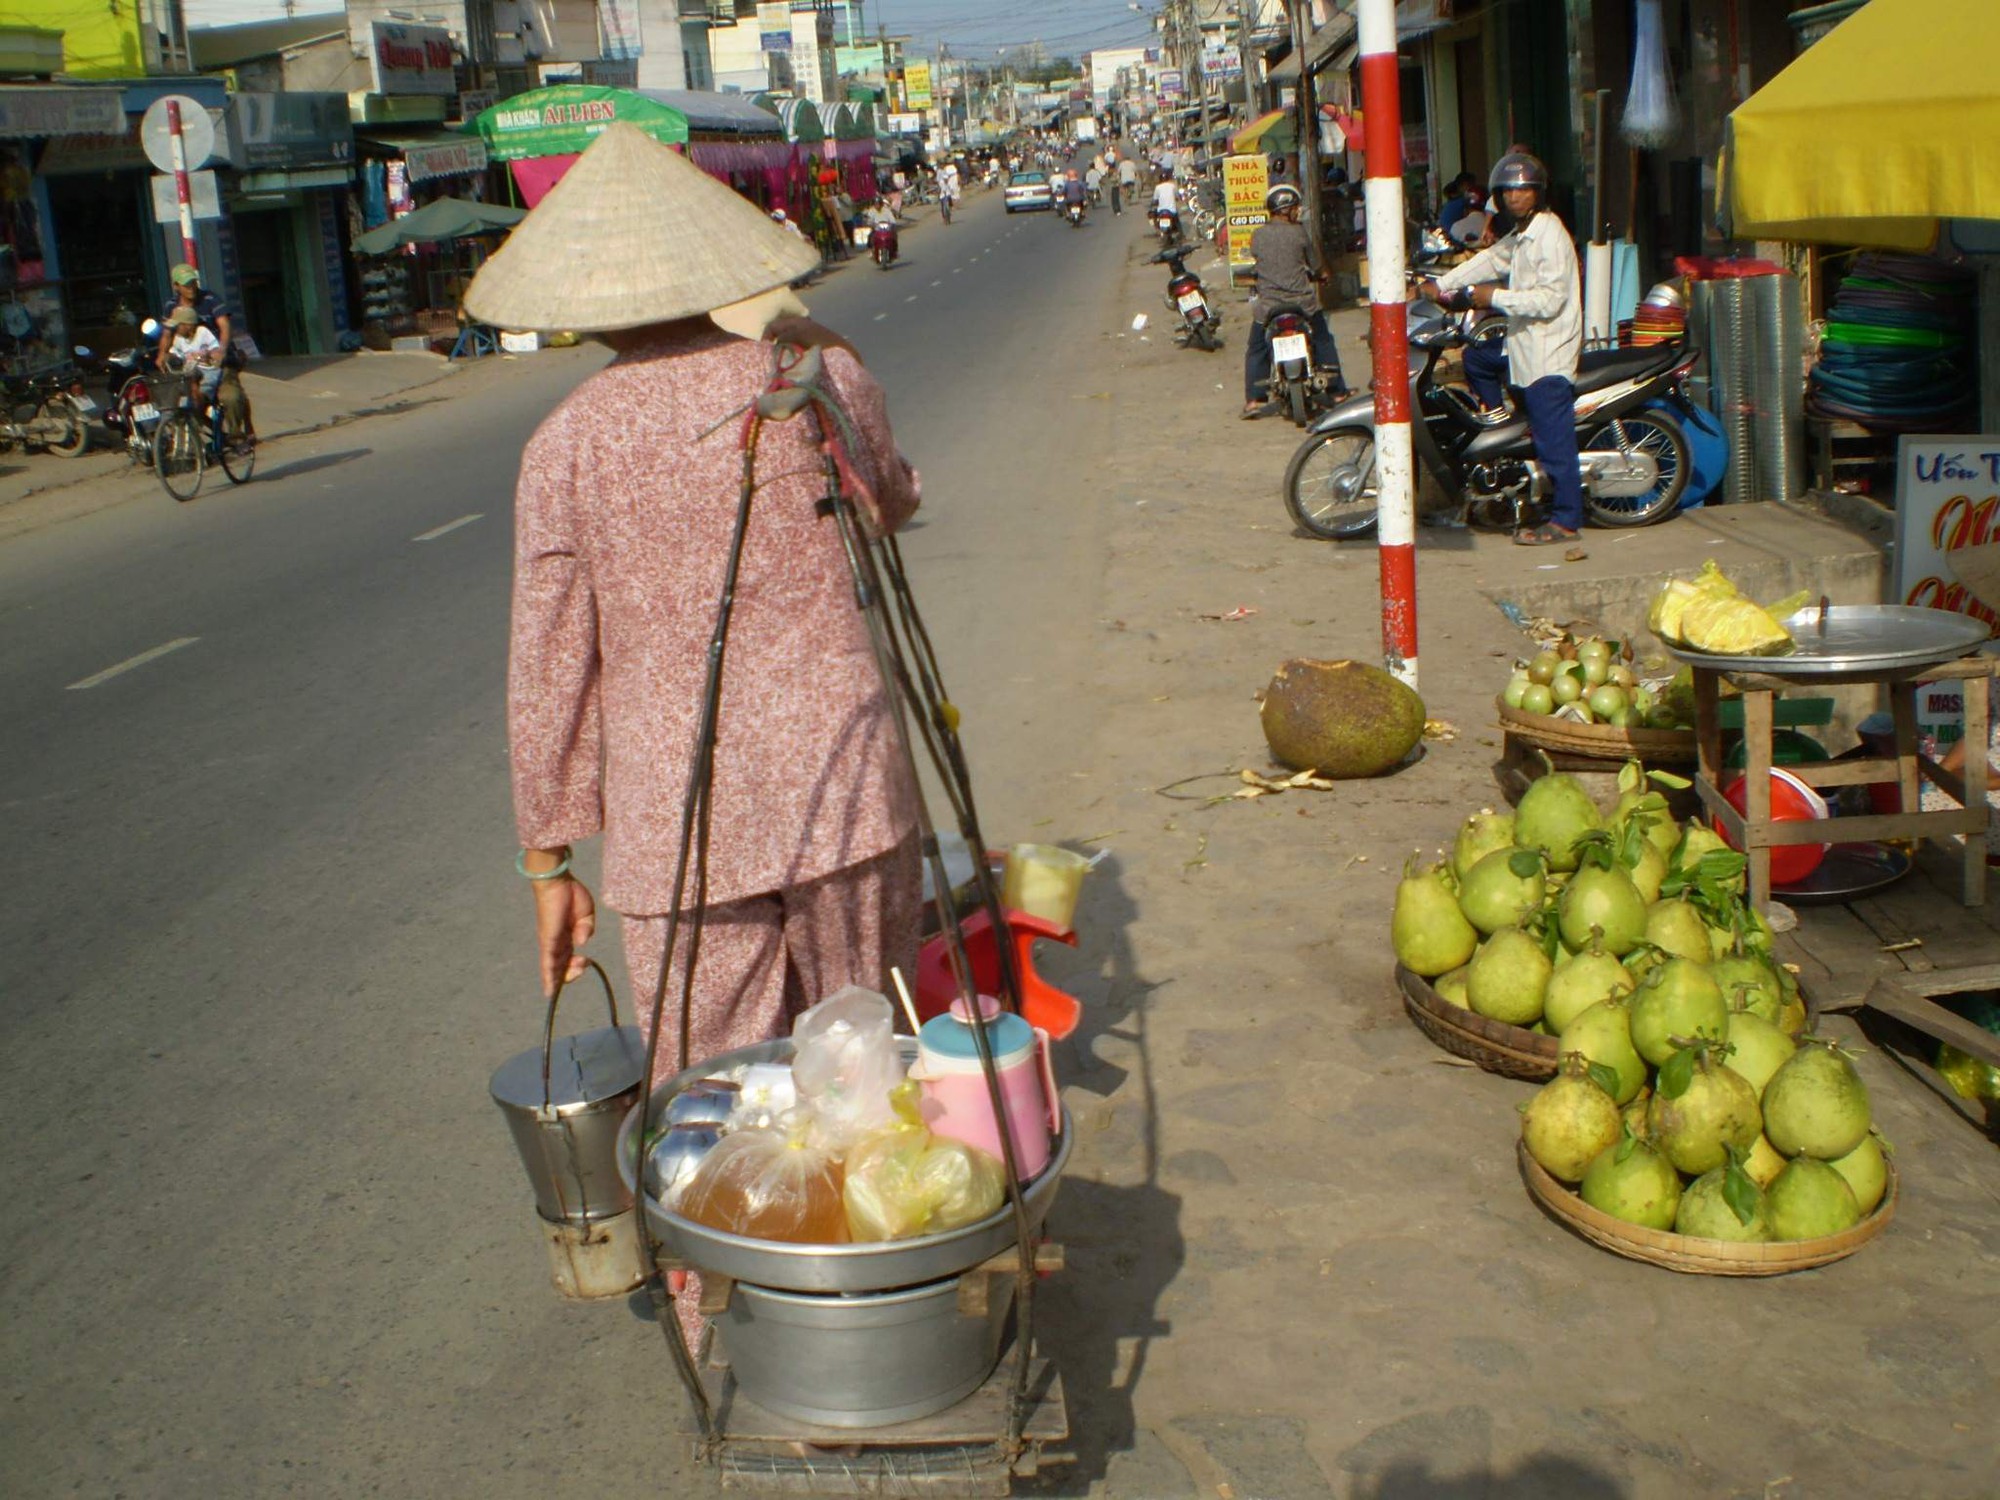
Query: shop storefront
(103, 217)
(401, 172)
(284, 248)
(35, 325)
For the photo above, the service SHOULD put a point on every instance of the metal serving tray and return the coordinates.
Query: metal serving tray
(1853, 639)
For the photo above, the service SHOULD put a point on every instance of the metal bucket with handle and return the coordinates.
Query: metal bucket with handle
(564, 1102)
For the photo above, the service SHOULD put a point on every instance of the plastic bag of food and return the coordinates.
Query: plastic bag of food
(1664, 614)
(845, 1062)
(776, 1184)
(902, 1181)
(1733, 626)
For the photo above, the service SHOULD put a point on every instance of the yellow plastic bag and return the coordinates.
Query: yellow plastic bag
(903, 1182)
(1664, 614)
(1732, 626)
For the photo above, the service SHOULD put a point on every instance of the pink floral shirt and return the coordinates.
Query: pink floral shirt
(623, 517)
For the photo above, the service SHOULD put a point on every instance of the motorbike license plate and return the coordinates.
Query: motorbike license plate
(1191, 302)
(861, 237)
(1288, 346)
(84, 404)
(145, 411)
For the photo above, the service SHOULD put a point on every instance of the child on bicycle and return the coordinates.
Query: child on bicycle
(192, 348)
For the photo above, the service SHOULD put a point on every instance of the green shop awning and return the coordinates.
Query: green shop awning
(565, 118)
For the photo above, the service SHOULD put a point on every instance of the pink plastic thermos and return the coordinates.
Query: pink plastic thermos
(956, 1104)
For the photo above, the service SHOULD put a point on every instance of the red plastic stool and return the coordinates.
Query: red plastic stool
(1042, 1004)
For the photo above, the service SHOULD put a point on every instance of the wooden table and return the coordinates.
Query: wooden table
(1756, 834)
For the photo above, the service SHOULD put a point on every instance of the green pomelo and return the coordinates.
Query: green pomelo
(1757, 1049)
(1792, 1018)
(1633, 1182)
(1604, 902)
(1568, 1122)
(1650, 808)
(1429, 933)
(1603, 1034)
(1816, 1104)
(1676, 999)
(1748, 981)
(1451, 987)
(1553, 814)
(1481, 834)
(1809, 1200)
(1635, 1113)
(1705, 1213)
(1697, 1128)
(1340, 718)
(1675, 927)
(1698, 839)
(1866, 1173)
(1581, 982)
(1493, 896)
(1508, 977)
(1764, 1162)
(1648, 874)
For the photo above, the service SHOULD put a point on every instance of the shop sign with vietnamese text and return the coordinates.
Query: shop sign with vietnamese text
(56, 109)
(1245, 180)
(410, 59)
(1947, 513)
(452, 159)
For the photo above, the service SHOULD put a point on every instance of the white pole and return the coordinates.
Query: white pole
(1395, 473)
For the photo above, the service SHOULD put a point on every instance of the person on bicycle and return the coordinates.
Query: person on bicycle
(191, 348)
(948, 189)
(214, 315)
(1544, 306)
(1288, 275)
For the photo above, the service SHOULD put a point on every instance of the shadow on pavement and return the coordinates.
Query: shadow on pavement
(1543, 1477)
(317, 461)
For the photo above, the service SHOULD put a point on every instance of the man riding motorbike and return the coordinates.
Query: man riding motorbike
(1288, 275)
(1071, 190)
(1544, 306)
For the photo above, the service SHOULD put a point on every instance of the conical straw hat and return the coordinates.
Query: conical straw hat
(633, 234)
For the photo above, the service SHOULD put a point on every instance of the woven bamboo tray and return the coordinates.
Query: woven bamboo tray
(1513, 1051)
(1597, 741)
(1701, 1257)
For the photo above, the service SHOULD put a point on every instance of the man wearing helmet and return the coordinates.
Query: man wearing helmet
(1288, 275)
(1544, 307)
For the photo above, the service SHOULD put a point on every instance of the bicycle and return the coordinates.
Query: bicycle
(193, 435)
(41, 412)
(944, 206)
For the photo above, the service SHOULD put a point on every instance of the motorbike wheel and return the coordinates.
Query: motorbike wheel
(180, 454)
(1653, 432)
(1330, 484)
(1295, 399)
(1210, 337)
(66, 431)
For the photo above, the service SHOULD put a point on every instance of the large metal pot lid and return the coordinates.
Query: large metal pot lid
(1856, 638)
(584, 1070)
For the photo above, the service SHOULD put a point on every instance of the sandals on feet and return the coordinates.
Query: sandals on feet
(1548, 534)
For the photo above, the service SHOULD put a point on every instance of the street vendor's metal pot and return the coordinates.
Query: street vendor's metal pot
(874, 1267)
(564, 1102)
(862, 1361)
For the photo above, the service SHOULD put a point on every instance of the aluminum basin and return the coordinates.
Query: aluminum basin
(831, 1268)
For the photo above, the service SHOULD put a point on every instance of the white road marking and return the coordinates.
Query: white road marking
(937, 283)
(437, 531)
(910, 298)
(130, 662)
(956, 269)
(880, 316)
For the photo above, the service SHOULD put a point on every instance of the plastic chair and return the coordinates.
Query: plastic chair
(474, 339)
(1056, 1011)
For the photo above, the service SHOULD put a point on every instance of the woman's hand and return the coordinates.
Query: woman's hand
(565, 919)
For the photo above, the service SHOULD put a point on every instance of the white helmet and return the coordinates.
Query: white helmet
(1282, 197)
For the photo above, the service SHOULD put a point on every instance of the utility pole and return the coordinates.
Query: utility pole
(1253, 93)
(1308, 132)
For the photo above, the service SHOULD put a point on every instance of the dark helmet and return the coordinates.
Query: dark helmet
(1282, 197)
(1518, 169)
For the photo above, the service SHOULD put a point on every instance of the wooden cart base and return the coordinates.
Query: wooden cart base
(957, 1451)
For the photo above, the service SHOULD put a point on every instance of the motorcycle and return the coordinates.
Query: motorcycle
(1074, 213)
(1201, 325)
(130, 415)
(1167, 224)
(883, 245)
(1298, 383)
(1632, 449)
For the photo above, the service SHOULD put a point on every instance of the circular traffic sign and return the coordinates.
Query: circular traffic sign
(197, 133)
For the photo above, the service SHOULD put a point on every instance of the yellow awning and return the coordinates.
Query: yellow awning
(1887, 124)
(1272, 132)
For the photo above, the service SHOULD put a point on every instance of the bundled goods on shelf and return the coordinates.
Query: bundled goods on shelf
(1896, 354)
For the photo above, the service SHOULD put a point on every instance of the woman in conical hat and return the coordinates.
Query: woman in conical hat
(623, 519)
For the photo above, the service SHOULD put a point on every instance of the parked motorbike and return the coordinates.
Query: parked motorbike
(1632, 450)
(1201, 324)
(130, 415)
(47, 412)
(1299, 384)
(883, 245)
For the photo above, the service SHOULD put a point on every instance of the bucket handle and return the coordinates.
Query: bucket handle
(549, 1026)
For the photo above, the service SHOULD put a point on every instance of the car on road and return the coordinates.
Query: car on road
(1027, 190)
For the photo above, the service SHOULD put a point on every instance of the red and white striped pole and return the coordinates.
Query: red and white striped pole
(182, 196)
(1395, 473)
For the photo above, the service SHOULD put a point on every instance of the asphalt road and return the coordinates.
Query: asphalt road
(262, 943)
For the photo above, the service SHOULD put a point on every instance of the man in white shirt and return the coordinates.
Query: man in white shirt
(1543, 302)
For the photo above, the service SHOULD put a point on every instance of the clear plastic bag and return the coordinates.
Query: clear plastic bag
(770, 1185)
(844, 1063)
(902, 1181)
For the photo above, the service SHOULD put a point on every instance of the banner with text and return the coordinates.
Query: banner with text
(1245, 180)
